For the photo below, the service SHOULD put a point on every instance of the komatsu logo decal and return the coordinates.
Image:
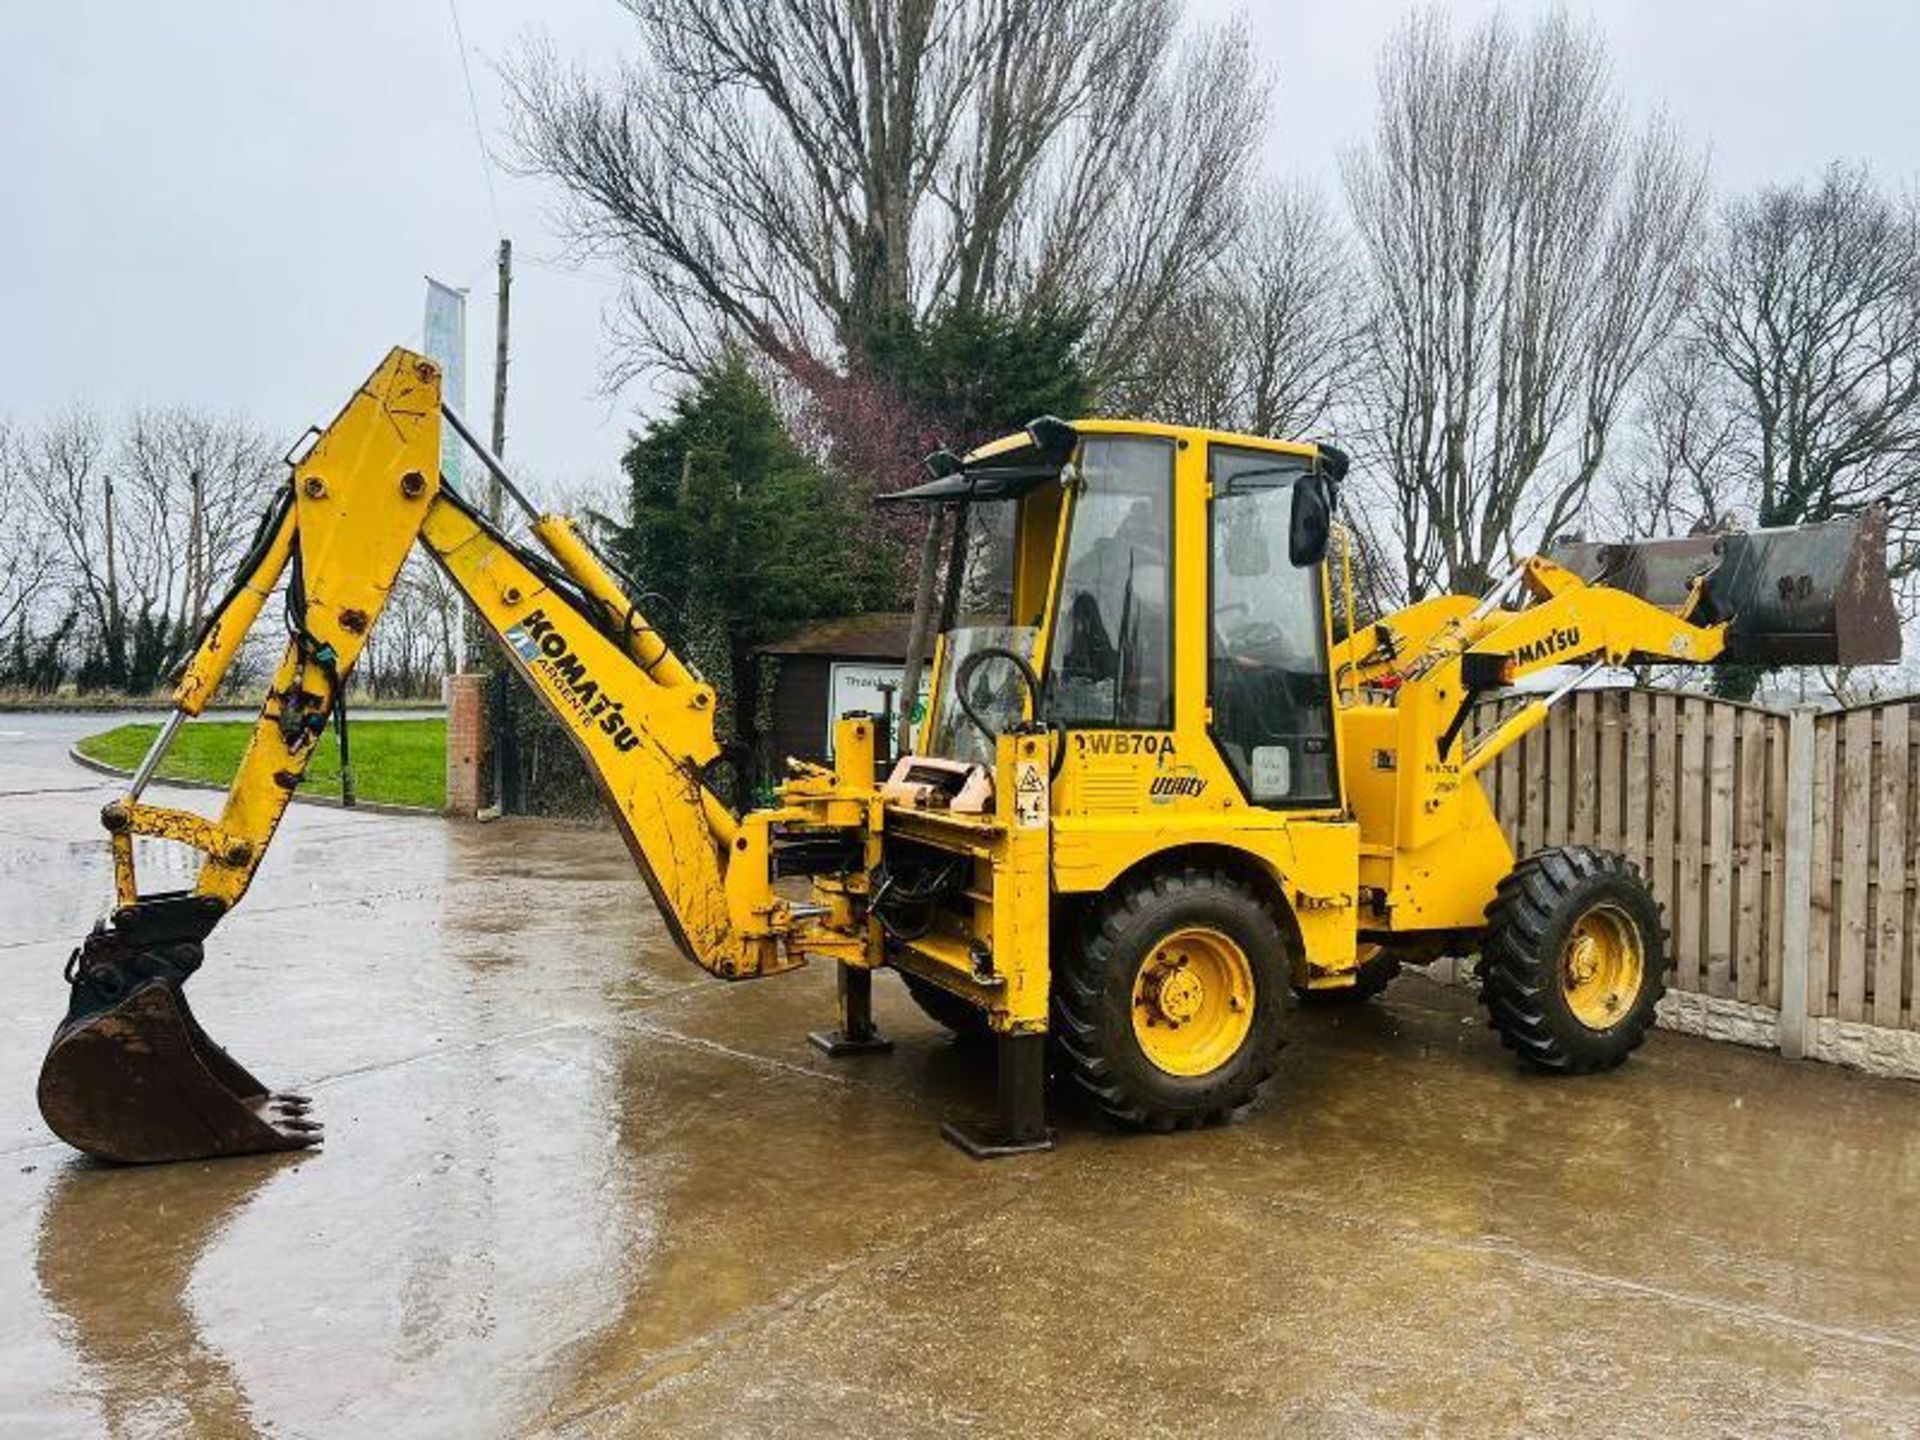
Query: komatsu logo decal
(548, 652)
(1552, 643)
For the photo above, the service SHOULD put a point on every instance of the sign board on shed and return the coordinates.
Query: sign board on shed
(855, 685)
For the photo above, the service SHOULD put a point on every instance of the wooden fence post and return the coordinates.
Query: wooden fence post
(1798, 905)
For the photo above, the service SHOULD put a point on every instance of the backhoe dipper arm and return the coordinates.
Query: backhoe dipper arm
(130, 1075)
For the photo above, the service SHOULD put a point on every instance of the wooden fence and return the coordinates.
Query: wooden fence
(1783, 846)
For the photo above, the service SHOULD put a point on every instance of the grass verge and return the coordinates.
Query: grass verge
(395, 762)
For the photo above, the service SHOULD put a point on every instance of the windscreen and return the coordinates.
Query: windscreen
(1111, 661)
(983, 618)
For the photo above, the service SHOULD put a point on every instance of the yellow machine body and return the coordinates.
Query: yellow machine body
(1173, 703)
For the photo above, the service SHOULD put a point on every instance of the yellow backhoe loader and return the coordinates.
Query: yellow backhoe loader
(1151, 802)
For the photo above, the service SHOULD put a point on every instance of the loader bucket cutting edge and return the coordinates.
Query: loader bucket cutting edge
(130, 1076)
(1797, 595)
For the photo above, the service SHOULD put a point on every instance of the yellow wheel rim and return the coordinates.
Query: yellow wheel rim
(1193, 1001)
(1602, 967)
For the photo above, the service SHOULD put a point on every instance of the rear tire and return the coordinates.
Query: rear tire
(1573, 961)
(1169, 1013)
(965, 1019)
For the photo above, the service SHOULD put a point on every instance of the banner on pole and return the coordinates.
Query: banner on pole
(446, 344)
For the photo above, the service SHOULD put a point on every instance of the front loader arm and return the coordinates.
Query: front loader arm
(1570, 622)
(1438, 657)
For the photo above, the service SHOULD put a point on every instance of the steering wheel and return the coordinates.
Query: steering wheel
(964, 674)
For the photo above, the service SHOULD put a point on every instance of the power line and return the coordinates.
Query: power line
(473, 109)
(567, 271)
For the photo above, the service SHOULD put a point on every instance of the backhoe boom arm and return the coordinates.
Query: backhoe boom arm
(130, 1075)
(357, 501)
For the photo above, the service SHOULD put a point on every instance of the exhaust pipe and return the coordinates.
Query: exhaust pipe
(1814, 594)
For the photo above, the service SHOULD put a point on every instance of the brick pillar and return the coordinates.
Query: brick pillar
(466, 700)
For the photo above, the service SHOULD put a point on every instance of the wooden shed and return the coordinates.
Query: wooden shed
(828, 668)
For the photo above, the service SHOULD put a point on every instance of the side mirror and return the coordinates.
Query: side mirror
(1311, 524)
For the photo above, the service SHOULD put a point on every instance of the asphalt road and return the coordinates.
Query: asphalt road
(573, 1186)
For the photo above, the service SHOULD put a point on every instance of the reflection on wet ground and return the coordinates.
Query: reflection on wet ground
(114, 1253)
(571, 1186)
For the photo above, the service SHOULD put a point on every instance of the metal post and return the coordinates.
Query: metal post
(196, 550)
(506, 757)
(1798, 904)
(919, 634)
(884, 733)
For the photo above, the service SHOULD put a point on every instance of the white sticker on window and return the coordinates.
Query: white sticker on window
(1272, 772)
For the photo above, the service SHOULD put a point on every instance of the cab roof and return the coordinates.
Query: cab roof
(1006, 468)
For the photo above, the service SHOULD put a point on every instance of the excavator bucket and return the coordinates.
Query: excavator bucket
(131, 1076)
(1797, 595)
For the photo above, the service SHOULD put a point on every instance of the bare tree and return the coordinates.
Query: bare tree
(1810, 315)
(413, 644)
(26, 555)
(195, 485)
(1262, 339)
(798, 174)
(1683, 472)
(143, 527)
(64, 465)
(1525, 256)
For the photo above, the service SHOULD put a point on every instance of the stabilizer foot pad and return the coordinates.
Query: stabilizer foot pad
(991, 1142)
(838, 1044)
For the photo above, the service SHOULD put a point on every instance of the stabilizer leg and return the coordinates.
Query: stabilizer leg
(1020, 1126)
(857, 1034)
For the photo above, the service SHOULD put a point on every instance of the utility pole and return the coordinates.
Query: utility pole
(196, 550)
(506, 756)
(501, 314)
(115, 638)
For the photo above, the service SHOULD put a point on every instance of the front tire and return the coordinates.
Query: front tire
(1170, 1011)
(1573, 961)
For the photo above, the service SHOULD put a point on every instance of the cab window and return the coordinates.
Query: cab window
(1267, 667)
(1111, 661)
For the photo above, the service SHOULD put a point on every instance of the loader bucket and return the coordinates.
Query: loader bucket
(1797, 595)
(131, 1076)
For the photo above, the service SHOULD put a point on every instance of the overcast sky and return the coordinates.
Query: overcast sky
(233, 204)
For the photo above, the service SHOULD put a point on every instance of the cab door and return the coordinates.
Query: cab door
(1269, 687)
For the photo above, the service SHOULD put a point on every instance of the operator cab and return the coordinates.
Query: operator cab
(1123, 585)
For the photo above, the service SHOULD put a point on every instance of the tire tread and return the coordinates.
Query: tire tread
(1516, 975)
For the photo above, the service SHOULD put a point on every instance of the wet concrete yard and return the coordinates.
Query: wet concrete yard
(573, 1186)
